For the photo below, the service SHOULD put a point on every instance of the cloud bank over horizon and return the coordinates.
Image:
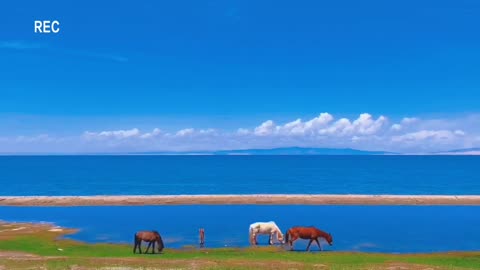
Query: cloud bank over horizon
(366, 132)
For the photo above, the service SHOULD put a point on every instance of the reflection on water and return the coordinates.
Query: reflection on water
(362, 228)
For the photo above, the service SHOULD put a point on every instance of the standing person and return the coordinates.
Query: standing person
(202, 237)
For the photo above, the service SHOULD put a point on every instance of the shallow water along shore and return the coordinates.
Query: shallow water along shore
(41, 246)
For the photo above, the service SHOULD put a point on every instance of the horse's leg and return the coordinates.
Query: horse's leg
(309, 243)
(293, 239)
(255, 239)
(140, 246)
(153, 248)
(318, 243)
(148, 247)
(270, 241)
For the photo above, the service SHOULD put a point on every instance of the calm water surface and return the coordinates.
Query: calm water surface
(395, 229)
(87, 175)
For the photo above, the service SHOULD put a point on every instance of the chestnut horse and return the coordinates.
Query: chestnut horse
(309, 233)
(151, 237)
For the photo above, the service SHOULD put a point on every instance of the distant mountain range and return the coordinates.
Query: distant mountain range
(279, 151)
(274, 151)
(464, 151)
(312, 151)
(301, 151)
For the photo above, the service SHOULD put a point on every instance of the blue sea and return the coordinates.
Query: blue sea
(394, 229)
(93, 175)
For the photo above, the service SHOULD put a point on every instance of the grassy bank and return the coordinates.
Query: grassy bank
(23, 246)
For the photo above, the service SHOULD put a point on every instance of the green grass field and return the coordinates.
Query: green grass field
(35, 247)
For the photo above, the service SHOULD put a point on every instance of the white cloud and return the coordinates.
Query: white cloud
(185, 132)
(409, 120)
(117, 134)
(35, 138)
(266, 128)
(341, 127)
(156, 132)
(135, 133)
(404, 123)
(207, 131)
(318, 122)
(298, 127)
(365, 124)
(295, 127)
(436, 135)
(396, 127)
(243, 131)
(366, 132)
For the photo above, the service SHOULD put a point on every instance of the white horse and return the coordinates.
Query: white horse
(269, 228)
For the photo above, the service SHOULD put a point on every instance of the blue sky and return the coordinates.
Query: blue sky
(227, 67)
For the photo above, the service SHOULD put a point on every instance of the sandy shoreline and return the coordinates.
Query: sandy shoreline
(259, 199)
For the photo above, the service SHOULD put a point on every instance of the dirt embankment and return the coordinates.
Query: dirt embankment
(260, 199)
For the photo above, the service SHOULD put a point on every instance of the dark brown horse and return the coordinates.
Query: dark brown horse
(151, 237)
(309, 233)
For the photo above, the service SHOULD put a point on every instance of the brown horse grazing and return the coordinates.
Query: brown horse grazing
(151, 237)
(310, 233)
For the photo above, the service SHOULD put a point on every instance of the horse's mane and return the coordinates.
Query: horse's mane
(155, 232)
